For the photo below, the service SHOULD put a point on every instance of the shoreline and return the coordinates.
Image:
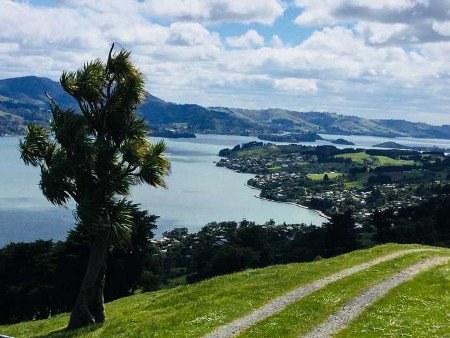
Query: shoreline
(320, 213)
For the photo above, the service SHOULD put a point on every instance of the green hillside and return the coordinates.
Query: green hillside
(198, 309)
(24, 100)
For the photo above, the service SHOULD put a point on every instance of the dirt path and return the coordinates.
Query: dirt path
(352, 309)
(280, 303)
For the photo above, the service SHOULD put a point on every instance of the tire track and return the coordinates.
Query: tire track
(278, 304)
(353, 308)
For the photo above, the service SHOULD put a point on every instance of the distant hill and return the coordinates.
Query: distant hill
(195, 117)
(22, 100)
(278, 120)
(314, 292)
(421, 130)
(395, 145)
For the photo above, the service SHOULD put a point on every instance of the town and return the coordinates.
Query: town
(332, 180)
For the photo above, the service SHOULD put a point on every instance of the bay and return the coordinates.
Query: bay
(198, 191)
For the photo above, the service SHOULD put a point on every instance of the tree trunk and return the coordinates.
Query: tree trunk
(89, 306)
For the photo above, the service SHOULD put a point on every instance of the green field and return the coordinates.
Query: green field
(193, 310)
(418, 308)
(275, 169)
(363, 158)
(359, 183)
(260, 151)
(319, 177)
(305, 314)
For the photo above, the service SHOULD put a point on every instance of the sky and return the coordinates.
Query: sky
(375, 59)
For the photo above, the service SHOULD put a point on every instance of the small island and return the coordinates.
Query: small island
(343, 142)
(394, 145)
(391, 145)
(171, 133)
(291, 137)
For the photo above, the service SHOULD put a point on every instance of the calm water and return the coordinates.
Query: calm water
(198, 191)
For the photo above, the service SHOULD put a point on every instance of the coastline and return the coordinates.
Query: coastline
(320, 213)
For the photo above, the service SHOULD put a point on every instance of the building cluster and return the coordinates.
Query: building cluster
(279, 179)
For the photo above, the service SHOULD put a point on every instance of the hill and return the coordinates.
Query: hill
(395, 145)
(22, 100)
(288, 300)
(277, 120)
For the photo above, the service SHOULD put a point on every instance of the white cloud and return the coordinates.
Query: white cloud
(296, 86)
(9, 47)
(383, 21)
(381, 33)
(216, 11)
(361, 68)
(250, 39)
(443, 28)
(387, 11)
(191, 34)
(276, 42)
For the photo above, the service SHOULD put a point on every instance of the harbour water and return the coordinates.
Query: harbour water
(198, 191)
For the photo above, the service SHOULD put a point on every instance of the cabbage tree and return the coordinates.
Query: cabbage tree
(93, 155)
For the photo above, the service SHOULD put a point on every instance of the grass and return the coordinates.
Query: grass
(319, 177)
(193, 310)
(379, 161)
(359, 183)
(258, 151)
(418, 308)
(307, 313)
(275, 169)
(388, 161)
(358, 158)
(196, 309)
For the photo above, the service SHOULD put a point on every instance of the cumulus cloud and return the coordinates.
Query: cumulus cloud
(355, 61)
(296, 86)
(191, 34)
(276, 42)
(382, 21)
(442, 28)
(250, 39)
(387, 11)
(218, 11)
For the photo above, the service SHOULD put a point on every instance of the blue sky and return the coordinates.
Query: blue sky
(375, 59)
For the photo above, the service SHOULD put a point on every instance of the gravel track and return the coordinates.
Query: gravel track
(280, 303)
(353, 308)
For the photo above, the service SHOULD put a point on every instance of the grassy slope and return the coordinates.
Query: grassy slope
(319, 177)
(196, 309)
(260, 151)
(418, 308)
(362, 157)
(305, 314)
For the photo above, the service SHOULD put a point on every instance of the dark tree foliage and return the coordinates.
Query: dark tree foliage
(383, 222)
(379, 179)
(226, 247)
(341, 234)
(42, 278)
